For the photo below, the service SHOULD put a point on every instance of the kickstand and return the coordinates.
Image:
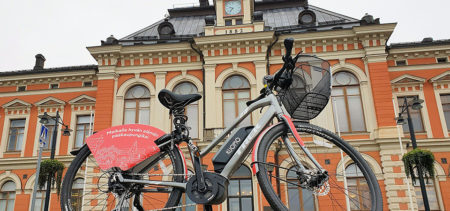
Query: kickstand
(207, 207)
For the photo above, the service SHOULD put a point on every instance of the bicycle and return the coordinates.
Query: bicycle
(301, 90)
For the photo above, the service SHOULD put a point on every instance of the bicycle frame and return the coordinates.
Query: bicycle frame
(274, 110)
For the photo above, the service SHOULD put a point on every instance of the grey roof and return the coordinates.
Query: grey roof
(189, 26)
(424, 42)
(50, 70)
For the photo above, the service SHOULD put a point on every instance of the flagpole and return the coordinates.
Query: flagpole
(347, 200)
(403, 152)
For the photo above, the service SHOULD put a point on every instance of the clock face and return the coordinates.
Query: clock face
(233, 7)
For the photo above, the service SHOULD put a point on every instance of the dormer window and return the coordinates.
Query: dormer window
(54, 86)
(165, 29)
(21, 88)
(442, 60)
(306, 17)
(400, 63)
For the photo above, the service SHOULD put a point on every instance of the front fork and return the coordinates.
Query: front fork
(287, 120)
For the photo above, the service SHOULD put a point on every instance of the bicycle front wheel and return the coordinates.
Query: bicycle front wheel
(350, 183)
(86, 186)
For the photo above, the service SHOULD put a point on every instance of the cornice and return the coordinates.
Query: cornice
(376, 28)
(233, 38)
(419, 67)
(47, 78)
(48, 91)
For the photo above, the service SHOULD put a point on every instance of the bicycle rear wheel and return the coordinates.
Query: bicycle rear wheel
(101, 193)
(283, 184)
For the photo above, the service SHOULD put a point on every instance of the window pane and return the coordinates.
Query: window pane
(247, 204)
(243, 95)
(340, 114)
(130, 117)
(9, 186)
(228, 95)
(144, 103)
(233, 204)
(308, 200)
(192, 114)
(144, 116)
(352, 90)
(246, 187)
(356, 114)
(229, 112)
(84, 119)
(18, 123)
(130, 104)
(294, 202)
(233, 188)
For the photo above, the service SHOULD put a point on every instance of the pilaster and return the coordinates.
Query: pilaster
(160, 114)
(395, 180)
(210, 98)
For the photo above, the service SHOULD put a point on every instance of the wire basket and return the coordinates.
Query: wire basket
(310, 90)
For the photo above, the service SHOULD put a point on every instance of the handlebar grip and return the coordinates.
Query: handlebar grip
(288, 44)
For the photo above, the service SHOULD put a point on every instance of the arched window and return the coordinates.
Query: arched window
(235, 92)
(77, 193)
(358, 190)
(299, 199)
(348, 106)
(431, 193)
(240, 190)
(191, 111)
(137, 106)
(7, 196)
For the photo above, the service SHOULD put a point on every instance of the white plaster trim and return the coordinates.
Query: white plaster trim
(218, 89)
(5, 134)
(424, 111)
(73, 124)
(438, 77)
(83, 96)
(7, 105)
(369, 159)
(9, 176)
(60, 102)
(417, 79)
(437, 95)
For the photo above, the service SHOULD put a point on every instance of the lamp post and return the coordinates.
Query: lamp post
(416, 104)
(66, 132)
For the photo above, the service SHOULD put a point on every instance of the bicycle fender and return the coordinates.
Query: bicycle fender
(255, 168)
(185, 169)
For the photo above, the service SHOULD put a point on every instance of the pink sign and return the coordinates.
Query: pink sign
(124, 146)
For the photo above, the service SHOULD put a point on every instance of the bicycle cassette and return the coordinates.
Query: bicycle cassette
(216, 189)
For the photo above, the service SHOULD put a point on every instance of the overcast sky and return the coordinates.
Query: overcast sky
(62, 29)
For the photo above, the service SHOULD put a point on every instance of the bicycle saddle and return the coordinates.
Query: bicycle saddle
(171, 100)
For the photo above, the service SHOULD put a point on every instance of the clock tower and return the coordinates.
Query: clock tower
(234, 16)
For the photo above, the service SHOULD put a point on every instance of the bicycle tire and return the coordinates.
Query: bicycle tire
(264, 156)
(97, 197)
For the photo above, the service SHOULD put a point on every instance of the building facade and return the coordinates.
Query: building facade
(223, 55)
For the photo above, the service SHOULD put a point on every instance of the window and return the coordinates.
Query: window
(83, 130)
(299, 199)
(51, 127)
(16, 133)
(416, 116)
(21, 88)
(442, 60)
(356, 184)
(238, 21)
(240, 190)
(40, 200)
(7, 196)
(191, 111)
(54, 86)
(228, 22)
(347, 105)
(236, 92)
(400, 62)
(137, 106)
(445, 99)
(77, 193)
(431, 194)
(87, 83)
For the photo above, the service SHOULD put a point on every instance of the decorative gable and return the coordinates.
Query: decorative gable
(83, 102)
(17, 106)
(407, 83)
(441, 81)
(50, 104)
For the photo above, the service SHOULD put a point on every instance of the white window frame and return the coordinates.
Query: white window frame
(5, 133)
(73, 125)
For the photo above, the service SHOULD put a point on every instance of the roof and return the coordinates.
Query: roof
(275, 19)
(50, 70)
(423, 43)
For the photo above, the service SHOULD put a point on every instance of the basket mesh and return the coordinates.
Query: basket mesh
(310, 90)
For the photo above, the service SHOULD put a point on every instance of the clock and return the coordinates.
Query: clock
(233, 7)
